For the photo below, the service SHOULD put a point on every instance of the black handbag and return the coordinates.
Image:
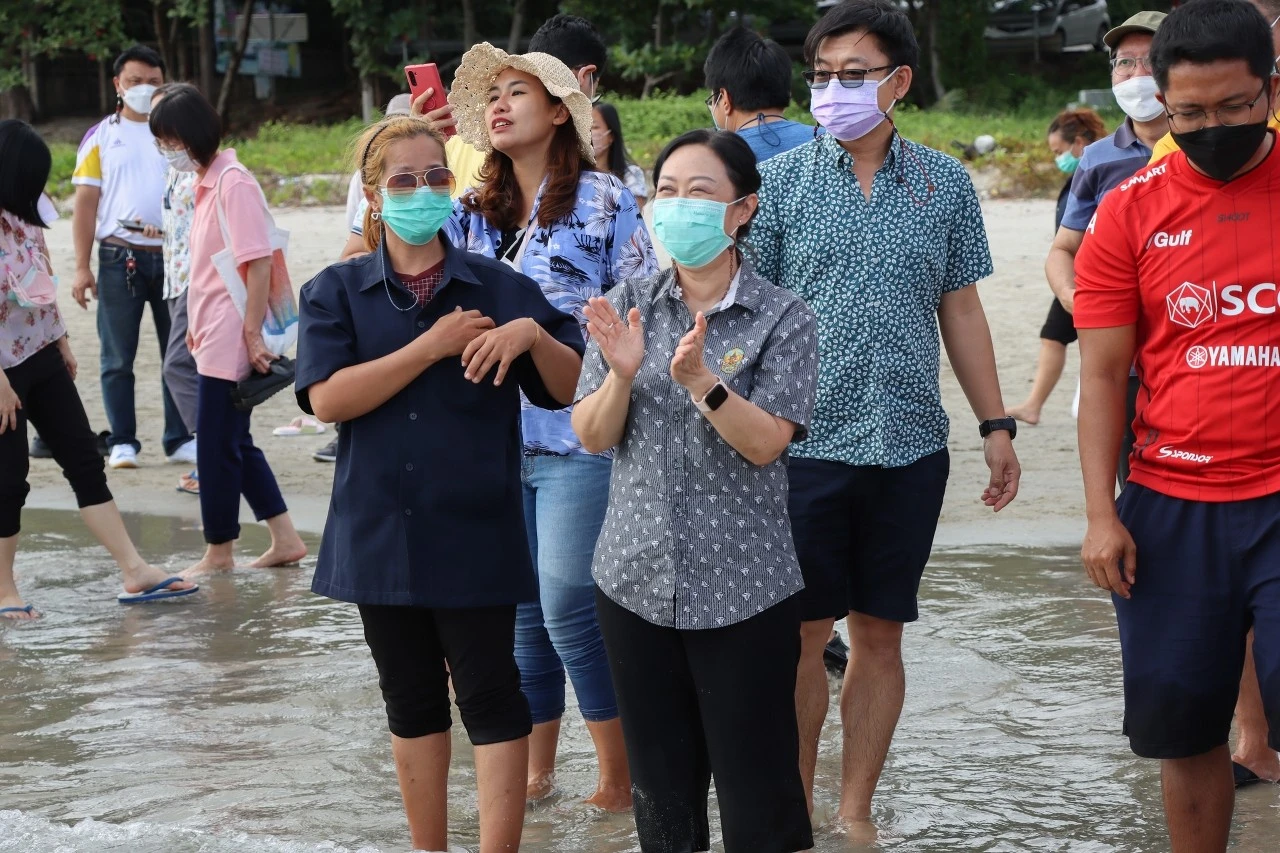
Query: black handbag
(260, 387)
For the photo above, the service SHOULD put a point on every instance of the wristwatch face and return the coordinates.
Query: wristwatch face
(716, 396)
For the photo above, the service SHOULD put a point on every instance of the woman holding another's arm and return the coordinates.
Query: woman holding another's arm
(700, 390)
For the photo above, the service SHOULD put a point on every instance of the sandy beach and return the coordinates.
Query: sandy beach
(1048, 511)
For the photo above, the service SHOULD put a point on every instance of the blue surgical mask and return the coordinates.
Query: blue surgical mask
(691, 229)
(416, 217)
(1067, 162)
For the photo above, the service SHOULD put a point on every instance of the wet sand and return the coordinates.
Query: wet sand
(1048, 511)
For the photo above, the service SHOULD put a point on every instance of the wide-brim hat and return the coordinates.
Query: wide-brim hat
(1143, 22)
(482, 64)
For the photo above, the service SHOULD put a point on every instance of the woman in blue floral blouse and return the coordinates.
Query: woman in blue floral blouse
(544, 209)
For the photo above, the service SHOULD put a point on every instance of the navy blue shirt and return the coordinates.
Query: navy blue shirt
(427, 507)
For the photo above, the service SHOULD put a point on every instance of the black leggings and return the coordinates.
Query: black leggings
(410, 647)
(716, 702)
(52, 405)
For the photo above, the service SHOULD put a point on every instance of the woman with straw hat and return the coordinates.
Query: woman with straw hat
(543, 209)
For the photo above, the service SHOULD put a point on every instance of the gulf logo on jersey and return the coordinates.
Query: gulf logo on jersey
(1193, 305)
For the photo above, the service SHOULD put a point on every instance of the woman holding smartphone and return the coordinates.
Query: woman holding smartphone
(543, 209)
(421, 350)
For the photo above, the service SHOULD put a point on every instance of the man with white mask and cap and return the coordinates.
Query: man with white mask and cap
(1110, 161)
(120, 180)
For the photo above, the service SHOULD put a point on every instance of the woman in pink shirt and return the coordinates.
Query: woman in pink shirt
(37, 383)
(227, 347)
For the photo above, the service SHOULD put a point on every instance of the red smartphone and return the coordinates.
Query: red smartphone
(424, 77)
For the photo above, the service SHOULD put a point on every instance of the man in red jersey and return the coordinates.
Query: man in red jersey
(1178, 272)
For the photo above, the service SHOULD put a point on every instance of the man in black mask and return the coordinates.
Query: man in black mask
(1178, 273)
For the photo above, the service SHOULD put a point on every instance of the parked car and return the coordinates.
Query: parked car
(1058, 24)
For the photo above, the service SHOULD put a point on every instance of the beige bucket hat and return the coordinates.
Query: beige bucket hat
(482, 64)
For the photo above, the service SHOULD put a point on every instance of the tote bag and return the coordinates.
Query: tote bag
(280, 326)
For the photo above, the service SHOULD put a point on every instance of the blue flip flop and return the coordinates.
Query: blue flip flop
(30, 608)
(159, 592)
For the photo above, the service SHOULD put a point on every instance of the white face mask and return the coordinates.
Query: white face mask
(1137, 97)
(180, 160)
(138, 98)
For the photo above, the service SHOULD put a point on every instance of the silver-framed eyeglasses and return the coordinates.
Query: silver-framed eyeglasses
(1127, 66)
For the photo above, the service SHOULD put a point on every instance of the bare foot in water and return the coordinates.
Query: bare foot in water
(144, 576)
(860, 831)
(21, 614)
(611, 799)
(281, 554)
(1023, 413)
(212, 564)
(1264, 762)
(540, 787)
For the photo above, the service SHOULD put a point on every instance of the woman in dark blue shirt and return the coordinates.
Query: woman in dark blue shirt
(421, 351)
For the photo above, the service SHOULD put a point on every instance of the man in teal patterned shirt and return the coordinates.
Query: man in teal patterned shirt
(884, 239)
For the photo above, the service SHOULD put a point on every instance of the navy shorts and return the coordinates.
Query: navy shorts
(1206, 573)
(864, 533)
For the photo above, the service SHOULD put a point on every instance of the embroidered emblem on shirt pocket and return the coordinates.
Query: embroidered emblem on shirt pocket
(732, 361)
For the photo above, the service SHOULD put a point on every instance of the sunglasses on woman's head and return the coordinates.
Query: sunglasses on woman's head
(439, 180)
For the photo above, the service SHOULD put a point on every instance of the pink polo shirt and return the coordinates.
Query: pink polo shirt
(217, 329)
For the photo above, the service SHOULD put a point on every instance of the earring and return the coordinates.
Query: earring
(377, 216)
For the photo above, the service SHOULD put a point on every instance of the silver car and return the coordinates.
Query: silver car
(1058, 24)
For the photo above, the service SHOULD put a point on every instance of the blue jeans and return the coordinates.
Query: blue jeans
(564, 504)
(122, 300)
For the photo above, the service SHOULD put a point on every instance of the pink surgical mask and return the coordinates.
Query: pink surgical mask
(849, 114)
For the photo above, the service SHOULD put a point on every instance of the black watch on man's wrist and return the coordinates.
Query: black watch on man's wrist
(996, 424)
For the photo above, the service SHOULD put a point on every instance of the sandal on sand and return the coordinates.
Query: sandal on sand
(301, 425)
(189, 483)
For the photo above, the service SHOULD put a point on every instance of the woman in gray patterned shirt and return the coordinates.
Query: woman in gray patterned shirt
(700, 390)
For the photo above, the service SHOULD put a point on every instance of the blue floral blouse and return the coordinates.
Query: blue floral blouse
(603, 242)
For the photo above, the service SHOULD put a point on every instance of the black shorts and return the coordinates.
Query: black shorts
(411, 646)
(1059, 326)
(864, 533)
(1207, 573)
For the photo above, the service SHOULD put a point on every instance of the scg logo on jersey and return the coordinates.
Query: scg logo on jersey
(1191, 305)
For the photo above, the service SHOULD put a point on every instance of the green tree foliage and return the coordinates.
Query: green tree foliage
(32, 29)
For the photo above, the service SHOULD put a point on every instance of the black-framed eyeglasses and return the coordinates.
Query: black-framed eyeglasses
(1127, 66)
(850, 78)
(711, 99)
(1231, 115)
(439, 180)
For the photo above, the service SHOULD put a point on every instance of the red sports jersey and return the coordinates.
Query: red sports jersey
(1194, 263)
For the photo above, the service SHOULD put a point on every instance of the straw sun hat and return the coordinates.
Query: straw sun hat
(482, 64)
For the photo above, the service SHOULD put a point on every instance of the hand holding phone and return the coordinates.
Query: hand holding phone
(140, 227)
(426, 77)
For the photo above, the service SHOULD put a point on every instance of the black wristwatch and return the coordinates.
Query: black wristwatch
(1009, 425)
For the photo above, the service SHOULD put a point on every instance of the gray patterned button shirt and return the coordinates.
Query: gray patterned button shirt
(874, 273)
(695, 535)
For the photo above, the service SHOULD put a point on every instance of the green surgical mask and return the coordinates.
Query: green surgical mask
(416, 217)
(691, 229)
(1067, 162)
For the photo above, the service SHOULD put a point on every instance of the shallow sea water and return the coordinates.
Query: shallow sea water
(248, 719)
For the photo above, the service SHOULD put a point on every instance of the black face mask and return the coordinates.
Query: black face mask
(1220, 151)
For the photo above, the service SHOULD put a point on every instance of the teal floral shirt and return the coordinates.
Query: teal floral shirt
(874, 273)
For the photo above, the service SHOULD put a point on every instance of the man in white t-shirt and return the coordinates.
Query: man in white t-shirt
(120, 179)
